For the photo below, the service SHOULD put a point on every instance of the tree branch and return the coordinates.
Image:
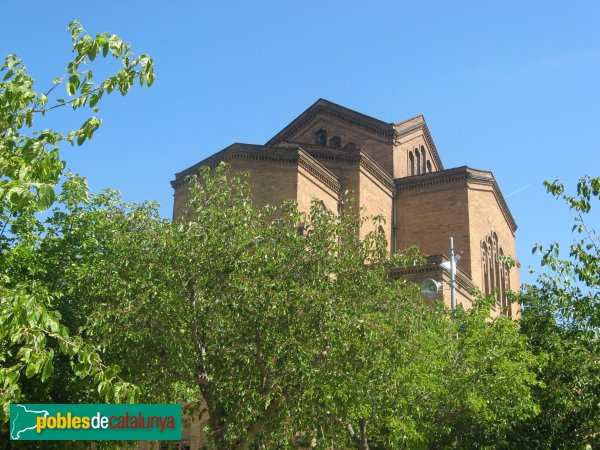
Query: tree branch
(359, 441)
(588, 232)
(258, 426)
(44, 110)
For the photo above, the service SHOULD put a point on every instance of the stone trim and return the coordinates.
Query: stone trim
(431, 178)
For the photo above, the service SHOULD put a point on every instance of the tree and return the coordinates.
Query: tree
(485, 382)
(235, 308)
(32, 327)
(561, 319)
(281, 338)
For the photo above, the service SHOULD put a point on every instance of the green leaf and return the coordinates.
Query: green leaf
(11, 378)
(46, 196)
(31, 370)
(48, 369)
(73, 84)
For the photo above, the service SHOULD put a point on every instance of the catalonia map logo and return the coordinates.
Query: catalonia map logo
(95, 422)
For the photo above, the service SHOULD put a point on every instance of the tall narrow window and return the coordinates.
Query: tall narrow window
(507, 288)
(336, 142)
(497, 270)
(502, 281)
(423, 159)
(418, 161)
(484, 268)
(490, 261)
(428, 167)
(495, 273)
(321, 137)
(411, 163)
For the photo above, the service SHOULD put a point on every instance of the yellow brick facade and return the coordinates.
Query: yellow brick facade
(394, 171)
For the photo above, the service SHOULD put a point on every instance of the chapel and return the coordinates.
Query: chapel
(393, 170)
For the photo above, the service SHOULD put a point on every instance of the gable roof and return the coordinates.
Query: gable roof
(418, 123)
(355, 118)
(387, 130)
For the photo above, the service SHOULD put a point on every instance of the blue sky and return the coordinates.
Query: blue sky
(511, 87)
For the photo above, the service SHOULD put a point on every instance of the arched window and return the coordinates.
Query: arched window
(411, 163)
(490, 264)
(495, 272)
(321, 137)
(321, 204)
(336, 142)
(418, 160)
(484, 268)
(501, 281)
(423, 159)
(507, 304)
(428, 166)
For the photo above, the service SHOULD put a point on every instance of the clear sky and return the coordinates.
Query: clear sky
(511, 87)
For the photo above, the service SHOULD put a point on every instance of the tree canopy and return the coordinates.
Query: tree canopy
(33, 330)
(561, 320)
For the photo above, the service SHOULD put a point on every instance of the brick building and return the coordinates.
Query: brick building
(393, 170)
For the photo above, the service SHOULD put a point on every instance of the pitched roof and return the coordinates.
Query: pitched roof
(418, 123)
(341, 112)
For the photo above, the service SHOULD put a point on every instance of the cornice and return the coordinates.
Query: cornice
(432, 178)
(432, 266)
(422, 126)
(370, 124)
(319, 171)
(357, 156)
(476, 178)
(374, 169)
(471, 176)
(267, 154)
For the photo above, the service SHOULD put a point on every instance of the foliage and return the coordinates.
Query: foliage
(233, 306)
(33, 330)
(485, 386)
(282, 338)
(561, 319)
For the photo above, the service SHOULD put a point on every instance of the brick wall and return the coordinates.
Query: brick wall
(428, 215)
(377, 147)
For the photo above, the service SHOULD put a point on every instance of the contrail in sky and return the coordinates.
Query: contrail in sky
(522, 188)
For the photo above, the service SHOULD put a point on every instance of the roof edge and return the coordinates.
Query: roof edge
(474, 176)
(369, 123)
